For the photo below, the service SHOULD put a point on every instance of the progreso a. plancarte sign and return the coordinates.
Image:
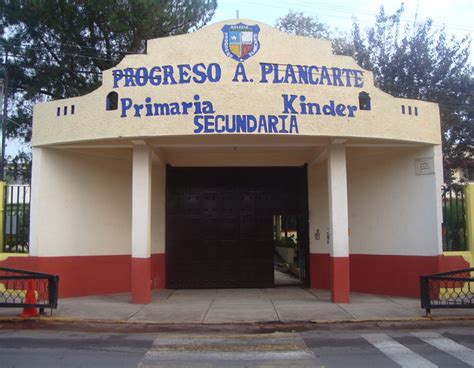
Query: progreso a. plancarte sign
(240, 42)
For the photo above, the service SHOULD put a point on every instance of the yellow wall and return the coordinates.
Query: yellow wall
(4, 256)
(468, 255)
(470, 217)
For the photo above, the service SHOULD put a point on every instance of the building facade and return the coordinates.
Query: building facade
(172, 172)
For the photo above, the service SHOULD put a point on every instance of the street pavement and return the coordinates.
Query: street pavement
(344, 345)
(278, 327)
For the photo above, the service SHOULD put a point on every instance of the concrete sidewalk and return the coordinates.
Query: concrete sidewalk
(280, 304)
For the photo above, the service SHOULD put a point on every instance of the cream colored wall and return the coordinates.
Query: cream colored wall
(81, 204)
(318, 207)
(391, 209)
(91, 122)
(239, 156)
(158, 213)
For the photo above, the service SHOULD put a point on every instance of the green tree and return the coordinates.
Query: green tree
(417, 62)
(18, 168)
(58, 48)
(296, 23)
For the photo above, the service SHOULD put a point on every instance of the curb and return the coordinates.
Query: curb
(396, 319)
(157, 323)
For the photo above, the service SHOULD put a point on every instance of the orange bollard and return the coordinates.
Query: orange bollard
(30, 298)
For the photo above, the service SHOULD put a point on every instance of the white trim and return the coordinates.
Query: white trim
(141, 202)
(35, 194)
(338, 207)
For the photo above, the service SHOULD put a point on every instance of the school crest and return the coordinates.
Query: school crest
(240, 41)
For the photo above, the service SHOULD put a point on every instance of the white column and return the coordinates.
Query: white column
(141, 201)
(338, 212)
(35, 199)
(338, 224)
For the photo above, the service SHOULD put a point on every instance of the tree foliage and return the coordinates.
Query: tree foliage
(58, 48)
(296, 23)
(416, 62)
(18, 169)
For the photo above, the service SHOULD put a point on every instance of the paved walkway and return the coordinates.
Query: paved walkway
(284, 304)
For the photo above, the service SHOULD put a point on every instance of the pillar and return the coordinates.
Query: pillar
(141, 223)
(37, 201)
(338, 224)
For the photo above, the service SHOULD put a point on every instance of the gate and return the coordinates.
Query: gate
(16, 218)
(454, 218)
(219, 223)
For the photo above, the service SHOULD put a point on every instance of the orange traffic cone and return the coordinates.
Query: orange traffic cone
(30, 298)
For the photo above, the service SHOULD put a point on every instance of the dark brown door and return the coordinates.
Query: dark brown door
(219, 224)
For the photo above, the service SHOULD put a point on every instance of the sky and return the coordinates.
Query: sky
(456, 15)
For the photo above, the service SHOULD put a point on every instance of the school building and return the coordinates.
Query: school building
(192, 160)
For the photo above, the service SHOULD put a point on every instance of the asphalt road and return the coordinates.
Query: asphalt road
(374, 345)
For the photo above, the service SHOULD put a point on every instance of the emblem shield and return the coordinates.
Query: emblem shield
(240, 41)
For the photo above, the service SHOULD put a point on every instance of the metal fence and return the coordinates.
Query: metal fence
(453, 289)
(454, 218)
(16, 219)
(14, 285)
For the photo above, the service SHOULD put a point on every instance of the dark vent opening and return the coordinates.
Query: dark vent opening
(112, 101)
(364, 101)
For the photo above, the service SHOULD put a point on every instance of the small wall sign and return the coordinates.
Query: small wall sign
(424, 166)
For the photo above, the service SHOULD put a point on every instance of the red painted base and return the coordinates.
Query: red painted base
(376, 274)
(141, 280)
(90, 275)
(80, 275)
(452, 263)
(320, 271)
(340, 280)
(382, 274)
(158, 271)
